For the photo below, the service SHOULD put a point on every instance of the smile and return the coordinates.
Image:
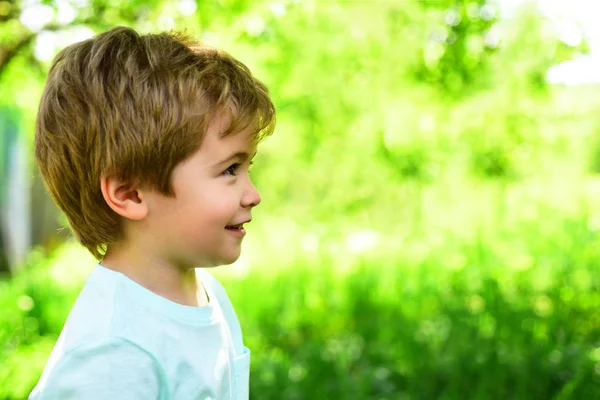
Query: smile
(236, 230)
(239, 226)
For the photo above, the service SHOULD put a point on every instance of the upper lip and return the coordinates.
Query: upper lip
(241, 223)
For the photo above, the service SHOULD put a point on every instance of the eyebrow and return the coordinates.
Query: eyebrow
(240, 155)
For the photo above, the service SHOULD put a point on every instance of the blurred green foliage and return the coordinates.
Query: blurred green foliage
(500, 317)
(430, 218)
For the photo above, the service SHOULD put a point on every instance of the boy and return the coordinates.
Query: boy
(145, 142)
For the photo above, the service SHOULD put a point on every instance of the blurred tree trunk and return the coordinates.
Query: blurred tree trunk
(3, 258)
(15, 214)
(28, 217)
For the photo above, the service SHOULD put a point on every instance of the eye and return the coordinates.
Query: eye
(231, 170)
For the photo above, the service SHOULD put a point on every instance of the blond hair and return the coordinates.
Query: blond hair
(133, 107)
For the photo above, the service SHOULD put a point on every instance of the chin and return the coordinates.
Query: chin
(230, 260)
(223, 259)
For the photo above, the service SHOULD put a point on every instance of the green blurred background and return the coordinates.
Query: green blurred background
(431, 203)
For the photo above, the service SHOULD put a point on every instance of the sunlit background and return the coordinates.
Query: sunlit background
(431, 201)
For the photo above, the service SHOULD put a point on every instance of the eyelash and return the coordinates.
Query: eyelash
(231, 170)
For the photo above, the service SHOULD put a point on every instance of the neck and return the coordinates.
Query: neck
(175, 283)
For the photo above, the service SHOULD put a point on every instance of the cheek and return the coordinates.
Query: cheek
(207, 211)
(219, 197)
(207, 201)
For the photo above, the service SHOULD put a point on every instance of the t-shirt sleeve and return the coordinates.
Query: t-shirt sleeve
(115, 369)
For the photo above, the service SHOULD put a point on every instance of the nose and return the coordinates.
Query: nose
(251, 197)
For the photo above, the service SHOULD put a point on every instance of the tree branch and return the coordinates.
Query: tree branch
(6, 55)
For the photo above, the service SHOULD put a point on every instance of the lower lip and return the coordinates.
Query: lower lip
(240, 233)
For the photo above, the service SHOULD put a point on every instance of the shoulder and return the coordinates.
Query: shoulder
(105, 369)
(105, 310)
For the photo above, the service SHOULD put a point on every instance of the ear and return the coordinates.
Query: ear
(124, 199)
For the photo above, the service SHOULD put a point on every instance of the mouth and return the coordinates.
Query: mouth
(237, 228)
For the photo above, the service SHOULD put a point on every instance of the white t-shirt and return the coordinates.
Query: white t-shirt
(122, 341)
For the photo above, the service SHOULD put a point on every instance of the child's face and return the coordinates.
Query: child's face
(213, 192)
